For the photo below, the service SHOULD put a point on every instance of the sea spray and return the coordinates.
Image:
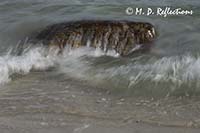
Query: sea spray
(23, 64)
(108, 70)
(167, 74)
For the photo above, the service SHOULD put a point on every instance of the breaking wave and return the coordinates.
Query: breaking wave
(33, 59)
(167, 75)
(138, 74)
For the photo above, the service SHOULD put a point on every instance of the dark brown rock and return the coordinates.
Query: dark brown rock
(125, 37)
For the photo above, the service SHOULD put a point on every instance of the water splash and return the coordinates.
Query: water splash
(32, 59)
(168, 74)
(176, 68)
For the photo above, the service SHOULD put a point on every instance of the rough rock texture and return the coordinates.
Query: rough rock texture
(124, 37)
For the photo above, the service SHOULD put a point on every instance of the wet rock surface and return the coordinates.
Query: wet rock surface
(124, 37)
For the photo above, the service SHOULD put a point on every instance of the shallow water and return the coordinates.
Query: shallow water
(171, 68)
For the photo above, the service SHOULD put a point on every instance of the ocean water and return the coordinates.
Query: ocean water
(171, 68)
(41, 90)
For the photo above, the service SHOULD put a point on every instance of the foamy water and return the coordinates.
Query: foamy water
(107, 69)
(174, 71)
(174, 67)
(42, 91)
(33, 59)
(81, 63)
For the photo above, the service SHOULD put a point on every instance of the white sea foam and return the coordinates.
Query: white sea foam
(176, 69)
(89, 52)
(33, 59)
(38, 59)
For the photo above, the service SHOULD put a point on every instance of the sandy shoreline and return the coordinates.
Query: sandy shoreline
(44, 103)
